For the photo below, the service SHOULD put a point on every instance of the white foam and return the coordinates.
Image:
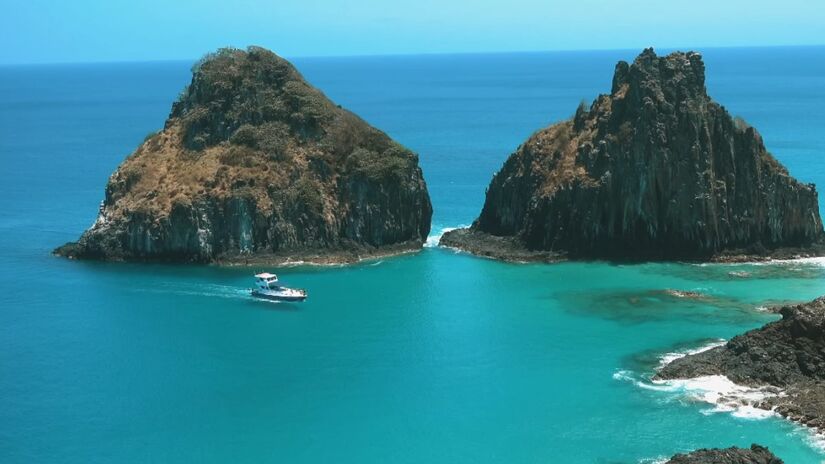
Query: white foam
(742, 274)
(656, 460)
(433, 239)
(721, 393)
(815, 440)
(815, 261)
(628, 376)
(718, 391)
(668, 358)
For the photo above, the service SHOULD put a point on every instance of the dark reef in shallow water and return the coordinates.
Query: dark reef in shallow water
(755, 455)
(788, 354)
(256, 165)
(654, 170)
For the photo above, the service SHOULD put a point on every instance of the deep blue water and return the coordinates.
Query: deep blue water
(433, 357)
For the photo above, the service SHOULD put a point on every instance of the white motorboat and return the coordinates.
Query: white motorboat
(268, 287)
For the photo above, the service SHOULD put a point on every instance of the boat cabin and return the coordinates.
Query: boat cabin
(265, 280)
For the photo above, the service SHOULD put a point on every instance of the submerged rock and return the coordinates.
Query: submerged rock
(788, 354)
(255, 163)
(755, 455)
(654, 170)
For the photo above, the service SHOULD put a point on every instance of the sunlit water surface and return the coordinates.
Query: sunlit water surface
(431, 357)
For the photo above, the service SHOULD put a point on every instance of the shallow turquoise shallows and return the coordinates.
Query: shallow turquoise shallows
(432, 357)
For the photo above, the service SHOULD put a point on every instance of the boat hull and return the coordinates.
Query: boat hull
(271, 297)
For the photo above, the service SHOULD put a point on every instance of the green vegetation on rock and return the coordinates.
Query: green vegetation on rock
(253, 160)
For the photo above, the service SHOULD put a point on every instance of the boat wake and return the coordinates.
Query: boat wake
(208, 290)
(433, 239)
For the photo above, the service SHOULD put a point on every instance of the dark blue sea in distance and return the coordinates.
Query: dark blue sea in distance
(432, 357)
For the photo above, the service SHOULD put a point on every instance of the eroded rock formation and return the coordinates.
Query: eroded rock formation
(254, 162)
(654, 170)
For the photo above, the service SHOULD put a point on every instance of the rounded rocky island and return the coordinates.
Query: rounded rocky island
(256, 165)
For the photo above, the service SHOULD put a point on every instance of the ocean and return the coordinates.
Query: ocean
(431, 357)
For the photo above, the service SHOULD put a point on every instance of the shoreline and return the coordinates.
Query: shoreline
(776, 369)
(723, 395)
(511, 249)
(330, 258)
(743, 401)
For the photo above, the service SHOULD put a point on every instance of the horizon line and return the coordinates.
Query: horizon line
(390, 55)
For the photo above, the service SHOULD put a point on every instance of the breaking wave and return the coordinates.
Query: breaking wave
(434, 238)
(717, 391)
(668, 358)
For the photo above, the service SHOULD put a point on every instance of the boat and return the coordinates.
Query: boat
(268, 287)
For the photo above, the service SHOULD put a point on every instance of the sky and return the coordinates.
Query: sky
(51, 31)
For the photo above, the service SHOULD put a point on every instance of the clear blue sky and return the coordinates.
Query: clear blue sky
(42, 31)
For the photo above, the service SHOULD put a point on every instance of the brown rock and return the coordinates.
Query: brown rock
(654, 170)
(256, 164)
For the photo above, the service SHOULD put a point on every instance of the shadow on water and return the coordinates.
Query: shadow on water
(647, 305)
(280, 306)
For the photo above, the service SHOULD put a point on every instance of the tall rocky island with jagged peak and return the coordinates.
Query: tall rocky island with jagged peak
(256, 165)
(654, 170)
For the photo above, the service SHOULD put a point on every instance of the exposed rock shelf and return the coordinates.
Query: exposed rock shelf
(256, 164)
(788, 355)
(654, 170)
(755, 455)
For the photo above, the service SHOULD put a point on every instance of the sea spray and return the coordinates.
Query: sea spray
(433, 239)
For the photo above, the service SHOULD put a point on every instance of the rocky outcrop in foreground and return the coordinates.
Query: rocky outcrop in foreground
(755, 455)
(255, 164)
(654, 170)
(788, 355)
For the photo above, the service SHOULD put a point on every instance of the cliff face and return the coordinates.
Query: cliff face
(253, 161)
(656, 169)
(755, 455)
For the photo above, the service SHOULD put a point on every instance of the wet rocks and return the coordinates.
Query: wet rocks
(755, 455)
(788, 354)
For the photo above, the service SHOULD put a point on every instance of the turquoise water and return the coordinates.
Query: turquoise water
(432, 357)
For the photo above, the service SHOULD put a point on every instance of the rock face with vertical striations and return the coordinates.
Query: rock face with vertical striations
(654, 170)
(255, 163)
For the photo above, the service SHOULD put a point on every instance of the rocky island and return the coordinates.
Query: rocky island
(654, 170)
(755, 455)
(785, 359)
(256, 165)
